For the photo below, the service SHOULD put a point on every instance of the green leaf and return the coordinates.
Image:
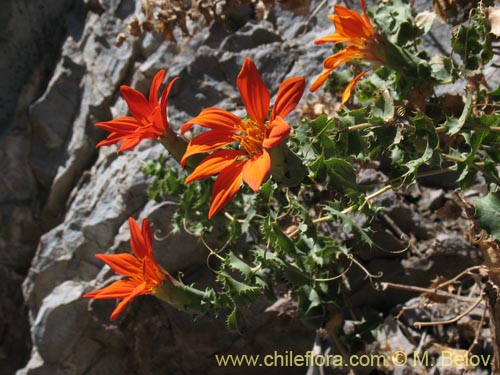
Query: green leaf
(383, 108)
(407, 33)
(488, 213)
(393, 19)
(337, 173)
(314, 299)
(489, 120)
(343, 173)
(233, 286)
(424, 20)
(467, 43)
(276, 238)
(237, 264)
(442, 69)
(293, 274)
(495, 93)
(348, 222)
(455, 125)
(231, 321)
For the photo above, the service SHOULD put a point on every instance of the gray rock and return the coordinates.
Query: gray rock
(22, 48)
(431, 199)
(57, 327)
(14, 348)
(32, 34)
(251, 35)
(92, 221)
(395, 338)
(105, 67)
(52, 115)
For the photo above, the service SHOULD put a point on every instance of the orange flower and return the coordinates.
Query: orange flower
(256, 135)
(361, 42)
(145, 275)
(149, 119)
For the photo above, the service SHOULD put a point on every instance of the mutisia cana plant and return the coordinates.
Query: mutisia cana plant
(392, 115)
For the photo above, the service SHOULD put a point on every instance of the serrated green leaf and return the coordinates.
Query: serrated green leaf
(337, 173)
(276, 238)
(467, 43)
(455, 125)
(232, 322)
(293, 274)
(237, 264)
(319, 124)
(348, 222)
(488, 213)
(239, 287)
(343, 173)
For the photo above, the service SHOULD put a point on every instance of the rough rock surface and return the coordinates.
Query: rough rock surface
(66, 200)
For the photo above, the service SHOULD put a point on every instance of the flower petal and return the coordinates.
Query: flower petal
(138, 243)
(341, 57)
(256, 170)
(121, 306)
(128, 143)
(124, 125)
(288, 97)
(213, 164)
(279, 130)
(320, 80)
(152, 273)
(350, 26)
(365, 14)
(119, 289)
(332, 38)
(137, 103)
(155, 86)
(159, 124)
(148, 238)
(123, 264)
(112, 139)
(214, 118)
(348, 90)
(163, 104)
(206, 142)
(254, 93)
(225, 187)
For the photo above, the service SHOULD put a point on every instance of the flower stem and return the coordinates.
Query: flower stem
(174, 144)
(360, 126)
(181, 296)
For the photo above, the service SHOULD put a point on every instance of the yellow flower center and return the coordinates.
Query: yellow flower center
(251, 137)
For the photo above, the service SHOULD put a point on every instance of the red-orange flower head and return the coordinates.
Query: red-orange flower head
(149, 119)
(361, 42)
(255, 135)
(144, 274)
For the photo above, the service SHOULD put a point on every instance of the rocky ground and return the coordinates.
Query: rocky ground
(62, 200)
